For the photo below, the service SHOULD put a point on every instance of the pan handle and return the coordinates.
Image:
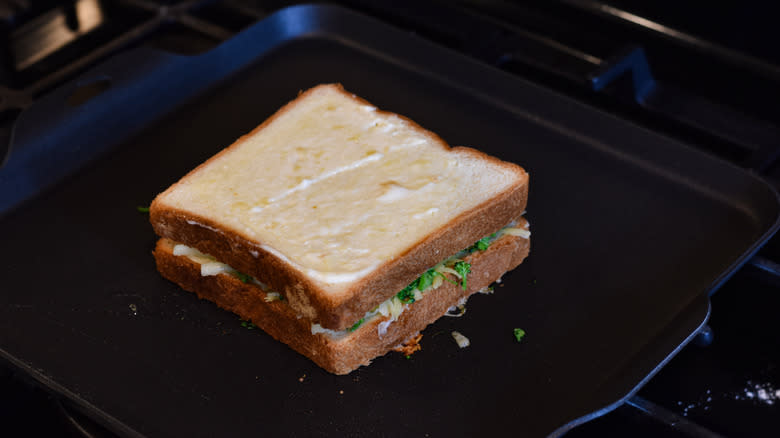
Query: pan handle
(83, 119)
(98, 92)
(80, 425)
(91, 114)
(765, 265)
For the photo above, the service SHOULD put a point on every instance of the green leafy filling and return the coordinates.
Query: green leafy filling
(356, 325)
(482, 244)
(421, 284)
(425, 281)
(407, 294)
(142, 209)
(463, 268)
(243, 277)
(519, 333)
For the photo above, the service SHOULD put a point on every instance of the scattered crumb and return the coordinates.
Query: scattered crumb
(341, 391)
(133, 309)
(300, 379)
(519, 334)
(409, 346)
(249, 325)
(486, 290)
(461, 340)
(456, 311)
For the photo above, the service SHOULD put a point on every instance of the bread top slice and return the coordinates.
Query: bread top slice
(338, 204)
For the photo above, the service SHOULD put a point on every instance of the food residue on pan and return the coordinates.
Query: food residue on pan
(461, 340)
(410, 346)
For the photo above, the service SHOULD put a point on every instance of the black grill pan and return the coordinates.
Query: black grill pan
(631, 233)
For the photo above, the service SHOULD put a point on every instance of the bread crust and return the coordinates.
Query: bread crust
(307, 296)
(342, 355)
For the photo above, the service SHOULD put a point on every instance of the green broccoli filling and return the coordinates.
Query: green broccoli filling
(463, 268)
(245, 278)
(482, 244)
(407, 294)
(454, 265)
(356, 325)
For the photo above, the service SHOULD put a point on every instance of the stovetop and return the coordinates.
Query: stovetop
(709, 77)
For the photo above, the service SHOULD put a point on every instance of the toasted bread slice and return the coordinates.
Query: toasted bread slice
(342, 352)
(338, 205)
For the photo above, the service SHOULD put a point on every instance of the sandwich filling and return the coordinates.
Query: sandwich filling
(393, 307)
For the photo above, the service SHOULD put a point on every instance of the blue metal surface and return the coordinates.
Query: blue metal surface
(631, 60)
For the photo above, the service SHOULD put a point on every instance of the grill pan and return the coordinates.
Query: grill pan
(631, 233)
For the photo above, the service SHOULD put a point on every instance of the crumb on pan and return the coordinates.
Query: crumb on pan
(519, 334)
(462, 341)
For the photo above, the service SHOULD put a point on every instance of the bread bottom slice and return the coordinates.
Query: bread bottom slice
(338, 352)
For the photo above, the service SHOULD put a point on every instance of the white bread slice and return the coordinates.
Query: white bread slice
(342, 353)
(339, 205)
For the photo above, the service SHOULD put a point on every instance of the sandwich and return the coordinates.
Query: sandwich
(341, 230)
